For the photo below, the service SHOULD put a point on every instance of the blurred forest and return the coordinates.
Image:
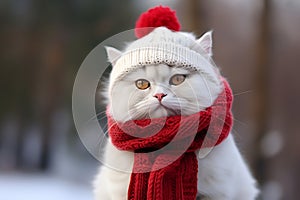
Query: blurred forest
(43, 43)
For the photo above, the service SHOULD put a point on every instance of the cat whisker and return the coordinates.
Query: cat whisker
(103, 117)
(179, 104)
(240, 122)
(135, 113)
(96, 115)
(141, 104)
(108, 129)
(105, 134)
(240, 93)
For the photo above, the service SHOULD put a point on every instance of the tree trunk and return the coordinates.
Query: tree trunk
(261, 110)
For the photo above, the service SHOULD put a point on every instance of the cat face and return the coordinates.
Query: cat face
(160, 90)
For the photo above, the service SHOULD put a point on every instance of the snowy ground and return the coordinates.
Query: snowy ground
(21, 186)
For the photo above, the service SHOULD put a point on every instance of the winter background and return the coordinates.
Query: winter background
(43, 43)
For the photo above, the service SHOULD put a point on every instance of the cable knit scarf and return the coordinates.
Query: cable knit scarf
(165, 164)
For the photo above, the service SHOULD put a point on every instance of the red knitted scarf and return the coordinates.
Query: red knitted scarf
(165, 164)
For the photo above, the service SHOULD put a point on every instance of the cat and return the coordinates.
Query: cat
(222, 174)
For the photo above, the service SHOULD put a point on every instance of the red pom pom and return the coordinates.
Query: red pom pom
(156, 17)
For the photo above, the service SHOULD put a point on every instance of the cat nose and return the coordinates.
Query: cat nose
(159, 96)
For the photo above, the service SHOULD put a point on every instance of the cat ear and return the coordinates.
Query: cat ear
(113, 54)
(206, 43)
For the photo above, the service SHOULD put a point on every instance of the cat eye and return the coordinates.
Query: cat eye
(142, 84)
(177, 79)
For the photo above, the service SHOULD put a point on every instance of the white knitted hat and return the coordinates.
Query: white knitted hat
(161, 45)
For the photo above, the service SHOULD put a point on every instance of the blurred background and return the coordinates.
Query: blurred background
(43, 43)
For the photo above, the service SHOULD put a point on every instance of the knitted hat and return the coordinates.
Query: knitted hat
(163, 44)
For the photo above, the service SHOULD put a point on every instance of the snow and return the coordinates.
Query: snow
(37, 186)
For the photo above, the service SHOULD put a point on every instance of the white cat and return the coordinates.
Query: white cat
(222, 174)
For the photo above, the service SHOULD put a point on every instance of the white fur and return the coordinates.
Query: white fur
(222, 174)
